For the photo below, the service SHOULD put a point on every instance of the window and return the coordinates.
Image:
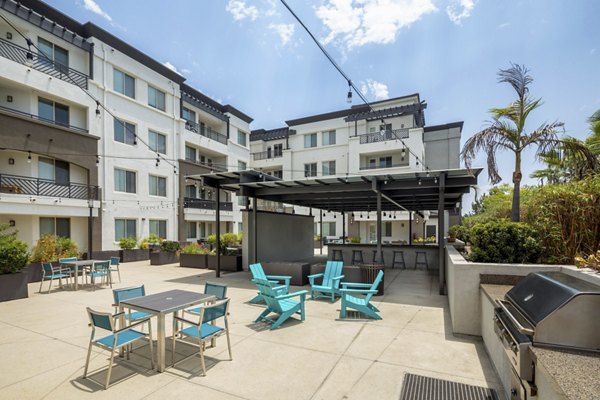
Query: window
(329, 229)
(278, 149)
(430, 230)
(328, 138)
(156, 98)
(123, 83)
(55, 226)
(53, 54)
(158, 227)
(188, 115)
(310, 169)
(205, 229)
(124, 132)
(190, 154)
(385, 162)
(125, 228)
(278, 174)
(125, 181)
(56, 171)
(157, 186)
(310, 140)
(190, 191)
(328, 168)
(380, 128)
(387, 229)
(241, 200)
(190, 229)
(242, 136)
(52, 111)
(241, 166)
(157, 142)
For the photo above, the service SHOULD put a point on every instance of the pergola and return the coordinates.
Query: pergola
(411, 191)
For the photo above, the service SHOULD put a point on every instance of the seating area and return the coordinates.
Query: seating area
(323, 355)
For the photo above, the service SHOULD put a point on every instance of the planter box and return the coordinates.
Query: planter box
(134, 255)
(228, 263)
(105, 254)
(298, 270)
(163, 257)
(317, 244)
(14, 286)
(193, 260)
(34, 271)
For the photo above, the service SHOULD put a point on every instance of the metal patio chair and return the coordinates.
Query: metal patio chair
(51, 273)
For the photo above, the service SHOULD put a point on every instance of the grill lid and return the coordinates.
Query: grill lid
(540, 293)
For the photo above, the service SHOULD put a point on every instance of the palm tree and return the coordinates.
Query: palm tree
(506, 131)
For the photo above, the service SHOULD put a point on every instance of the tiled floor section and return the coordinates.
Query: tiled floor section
(43, 343)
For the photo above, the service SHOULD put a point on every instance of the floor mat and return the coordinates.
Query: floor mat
(418, 387)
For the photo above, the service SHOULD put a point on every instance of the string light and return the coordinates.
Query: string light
(29, 157)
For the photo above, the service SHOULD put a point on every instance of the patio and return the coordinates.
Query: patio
(43, 342)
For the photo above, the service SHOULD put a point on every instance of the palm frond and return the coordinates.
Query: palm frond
(489, 140)
(518, 77)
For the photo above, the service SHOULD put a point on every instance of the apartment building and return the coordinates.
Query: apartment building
(388, 137)
(95, 174)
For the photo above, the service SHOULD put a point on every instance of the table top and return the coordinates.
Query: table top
(169, 301)
(83, 262)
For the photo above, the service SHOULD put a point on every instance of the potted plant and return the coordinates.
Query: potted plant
(151, 242)
(128, 251)
(13, 258)
(231, 258)
(193, 256)
(167, 253)
(49, 248)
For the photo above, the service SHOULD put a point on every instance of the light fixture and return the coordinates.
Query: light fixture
(97, 108)
(29, 56)
(9, 35)
(427, 172)
(134, 139)
(157, 161)
(349, 99)
(384, 214)
(12, 222)
(420, 183)
(360, 216)
(11, 161)
(9, 99)
(403, 152)
(29, 157)
(417, 160)
(97, 160)
(435, 180)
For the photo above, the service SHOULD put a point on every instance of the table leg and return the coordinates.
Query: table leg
(161, 342)
(76, 276)
(121, 326)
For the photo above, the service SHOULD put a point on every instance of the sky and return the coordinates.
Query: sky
(253, 55)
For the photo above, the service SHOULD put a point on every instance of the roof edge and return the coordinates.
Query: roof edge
(450, 125)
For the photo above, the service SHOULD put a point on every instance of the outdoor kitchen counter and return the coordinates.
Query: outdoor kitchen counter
(574, 373)
(494, 292)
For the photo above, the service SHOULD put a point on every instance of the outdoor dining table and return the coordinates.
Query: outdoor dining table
(161, 304)
(81, 263)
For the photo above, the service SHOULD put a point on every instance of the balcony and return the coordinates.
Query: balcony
(375, 137)
(382, 166)
(205, 131)
(41, 63)
(190, 202)
(212, 167)
(38, 118)
(265, 155)
(44, 187)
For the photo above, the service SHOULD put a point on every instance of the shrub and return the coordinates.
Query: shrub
(504, 242)
(227, 240)
(13, 252)
(195, 248)
(354, 239)
(127, 243)
(169, 245)
(50, 248)
(240, 237)
(591, 261)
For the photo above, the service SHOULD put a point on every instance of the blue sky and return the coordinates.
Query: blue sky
(252, 54)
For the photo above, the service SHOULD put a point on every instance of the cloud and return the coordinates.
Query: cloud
(458, 10)
(360, 22)
(92, 6)
(240, 10)
(285, 32)
(186, 71)
(592, 51)
(376, 90)
(171, 67)
(503, 25)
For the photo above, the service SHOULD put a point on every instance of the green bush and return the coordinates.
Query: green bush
(227, 240)
(504, 242)
(127, 243)
(240, 237)
(13, 252)
(169, 245)
(50, 248)
(195, 248)
(354, 239)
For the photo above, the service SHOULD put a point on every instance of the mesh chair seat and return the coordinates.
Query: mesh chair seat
(135, 315)
(206, 330)
(123, 338)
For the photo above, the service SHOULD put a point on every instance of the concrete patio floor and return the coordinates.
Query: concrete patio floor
(43, 343)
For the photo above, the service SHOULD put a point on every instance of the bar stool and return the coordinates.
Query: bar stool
(398, 259)
(337, 255)
(357, 257)
(375, 261)
(422, 261)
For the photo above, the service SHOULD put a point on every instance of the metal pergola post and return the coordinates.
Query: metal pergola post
(343, 228)
(218, 190)
(255, 228)
(410, 218)
(379, 251)
(321, 231)
(441, 255)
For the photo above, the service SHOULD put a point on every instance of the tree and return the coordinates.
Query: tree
(506, 131)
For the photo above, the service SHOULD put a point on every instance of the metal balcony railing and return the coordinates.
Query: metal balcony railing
(42, 63)
(382, 136)
(381, 166)
(205, 131)
(265, 155)
(190, 202)
(44, 187)
(38, 118)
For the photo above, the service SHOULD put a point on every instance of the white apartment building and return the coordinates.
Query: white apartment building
(70, 167)
(389, 138)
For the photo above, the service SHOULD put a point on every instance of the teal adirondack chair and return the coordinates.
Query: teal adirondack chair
(330, 285)
(280, 304)
(360, 299)
(258, 273)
